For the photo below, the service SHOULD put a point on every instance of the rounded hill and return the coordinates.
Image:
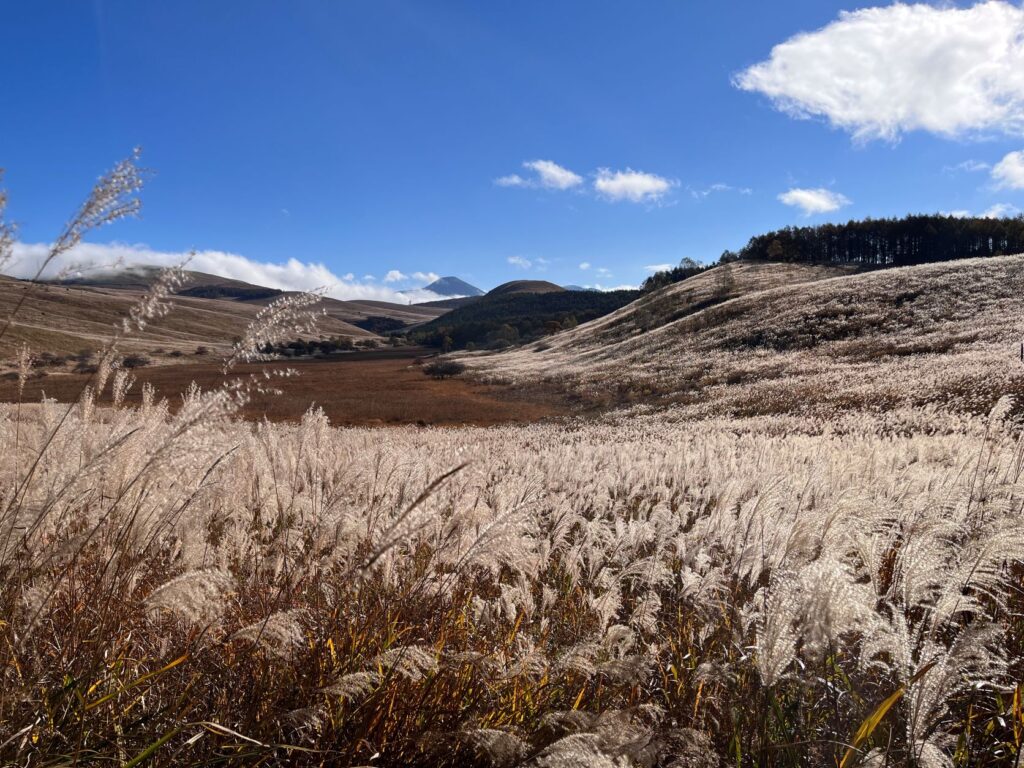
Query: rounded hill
(525, 286)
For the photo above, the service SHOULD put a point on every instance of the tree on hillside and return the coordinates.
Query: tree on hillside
(890, 242)
(687, 268)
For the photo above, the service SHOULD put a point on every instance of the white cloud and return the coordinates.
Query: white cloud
(996, 211)
(519, 261)
(879, 72)
(1000, 210)
(425, 277)
(603, 272)
(552, 175)
(546, 173)
(635, 186)
(584, 265)
(812, 201)
(600, 287)
(290, 275)
(658, 267)
(394, 276)
(512, 180)
(1008, 173)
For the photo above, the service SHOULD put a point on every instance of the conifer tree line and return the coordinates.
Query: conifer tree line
(916, 239)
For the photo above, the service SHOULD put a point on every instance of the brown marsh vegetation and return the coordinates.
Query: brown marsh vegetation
(386, 386)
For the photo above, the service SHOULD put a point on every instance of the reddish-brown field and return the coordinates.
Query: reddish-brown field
(362, 388)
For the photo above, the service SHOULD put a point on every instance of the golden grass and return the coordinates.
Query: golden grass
(189, 589)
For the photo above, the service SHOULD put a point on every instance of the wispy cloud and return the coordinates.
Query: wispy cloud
(700, 194)
(967, 166)
(658, 267)
(289, 275)
(634, 186)
(880, 72)
(812, 201)
(584, 265)
(519, 261)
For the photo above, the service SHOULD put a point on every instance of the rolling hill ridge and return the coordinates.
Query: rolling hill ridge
(752, 339)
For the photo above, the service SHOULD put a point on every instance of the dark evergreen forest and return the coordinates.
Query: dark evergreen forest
(911, 240)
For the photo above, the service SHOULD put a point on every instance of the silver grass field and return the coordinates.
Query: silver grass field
(644, 589)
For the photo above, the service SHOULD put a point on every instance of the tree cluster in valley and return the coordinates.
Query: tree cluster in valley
(495, 322)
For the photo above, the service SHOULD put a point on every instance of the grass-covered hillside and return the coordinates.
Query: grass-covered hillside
(946, 334)
(63, 319)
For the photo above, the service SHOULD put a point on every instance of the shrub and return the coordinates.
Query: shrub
(135, 361)
(444, 369)
(48, 360)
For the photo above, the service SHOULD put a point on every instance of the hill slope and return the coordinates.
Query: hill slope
(940, 334)
(201, 285)
(525, 286)
(64, 319)
(446, 304)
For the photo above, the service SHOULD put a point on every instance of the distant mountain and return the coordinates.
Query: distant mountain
(453, 287)
(363, 315)
(525, 286)
(578, 288)
(200, 285)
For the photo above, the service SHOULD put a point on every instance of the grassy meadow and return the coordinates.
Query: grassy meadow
(193, 589)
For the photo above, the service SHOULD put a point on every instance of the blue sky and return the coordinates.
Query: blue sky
(328, 141)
